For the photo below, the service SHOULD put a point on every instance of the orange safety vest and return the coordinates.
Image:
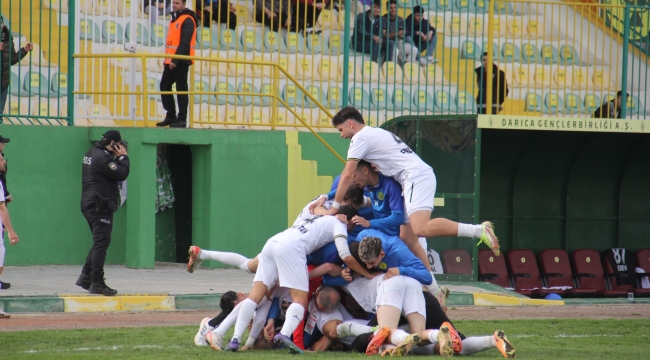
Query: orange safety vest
(174, 37)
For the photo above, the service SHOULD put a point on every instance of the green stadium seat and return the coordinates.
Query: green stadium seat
(335, 42)
(267, 89)
(465, 102)
(206, 39)
(428, 4)
(423, 101)
(400, 100)
(442, 5)
(153, 84)
(295, 43)
(404, 3)
(112, 32)
(529, 54)
(201, 85)
(59, 85)
(533, 102)
(88, 30)
(379, 98)
(35, 83)
(246, 87)
(141, 34)
(222, 99)
(14, 85)
(574, 104)
(318, 93)
(251, 41)
(444, 103)
(464, 6)
(510, 53)
(228, 39)
(481, 6)
(158, 35)
(273, 42)
(633, 106)
(293, 96)
(359, 98)
(316, 44)
(468, 50)
(569, 55)
(334, 97)
(592, 102)
(549, 54)
(503, 8)
(553, 104)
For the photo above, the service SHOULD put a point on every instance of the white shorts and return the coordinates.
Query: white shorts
(404, 293)
(418, 193)
(283, 261)
(2, 249)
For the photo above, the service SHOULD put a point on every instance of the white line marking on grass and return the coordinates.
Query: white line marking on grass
(147, 347)
(586, 336)
(114, 347)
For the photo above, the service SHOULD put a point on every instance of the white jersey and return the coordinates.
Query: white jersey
(315, 232)
(364, 291)
(2, 199)
(305, 214)
(387, 152)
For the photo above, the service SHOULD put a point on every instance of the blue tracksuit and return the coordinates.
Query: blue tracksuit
(398, 255)
(324, 255)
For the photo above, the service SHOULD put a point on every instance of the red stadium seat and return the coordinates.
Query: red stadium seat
(556, 269)
(643, 259)
(525, 274)
(589, 271)
(456, 261)
(613, 279)
(493, 268)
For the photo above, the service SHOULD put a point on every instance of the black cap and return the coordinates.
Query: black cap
(4, 140)
(115, 136)
(418, 9)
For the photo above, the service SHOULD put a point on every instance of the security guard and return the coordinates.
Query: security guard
(181, 40)
(104, 165)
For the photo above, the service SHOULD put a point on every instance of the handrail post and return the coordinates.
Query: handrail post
(71, 50)
(274, 112)
(626, 50)
(346, 52)
(145, 94)
(190, 111)
(490, 60)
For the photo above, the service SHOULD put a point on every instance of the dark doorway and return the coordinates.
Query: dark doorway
(179, 158)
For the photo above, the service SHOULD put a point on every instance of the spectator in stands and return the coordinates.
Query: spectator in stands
(498, 84)
(9, 57)
(393, 29)
(421, 35)
(273, 13)
(221, 12)
(155, 8)
(307, 11)
(181, 40)
(368, 38)
(611, 109)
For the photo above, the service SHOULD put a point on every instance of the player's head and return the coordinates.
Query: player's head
(229, 300)
(370, 251)
(350, 212)
(348, 121)
(364, 174)
(418, 12)
(376, 8)
(619, 98)
(354, 250)
(484, 59)
(392, 7)
(326, 299)
(354, 196)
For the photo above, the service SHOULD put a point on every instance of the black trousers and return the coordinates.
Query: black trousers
(304, 15)
(179, 76)
(223, 16)
(101, 226)
(278, 21)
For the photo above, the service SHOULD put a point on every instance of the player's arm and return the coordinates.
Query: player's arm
(347, 176)
(4, 214)
(334, 281)
(414, 268)
(393, 192)
(341, 242)
(322, 345)
(325, 269)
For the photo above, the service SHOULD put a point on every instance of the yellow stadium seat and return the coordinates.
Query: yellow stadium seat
(354, 72)
(509, 70)
(217, 67)
(233, 116)
(522, 76)
(56, 5)
(106, 7)
(515, 28)
(49, 108)
(284, 117)
(542, 77)
(15, 107)
(238, 69)
(579, 77)
(125, 7)
(438, 22)
(328, 68)
(475, 26)
(499, 27)
(328, 20)
(371, 72)
(560, 78)
(457, 26)
(98, 110)
(244, 15)
(600, 79)
(433, 73)
(35, 57)
(412, 74)
(306, 68)
(286, 63)
(262, 71)
(392, 72)
(119, 62)
(535, 29)
(87, 7)
(341, 18)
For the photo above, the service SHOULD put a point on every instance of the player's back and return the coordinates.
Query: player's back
(315, 232)
(387, 152)
(305, 214)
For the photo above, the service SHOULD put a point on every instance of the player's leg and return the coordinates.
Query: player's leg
(3, 285)
(414, 309)
(390, 297)
(196, 255)
(259, 320)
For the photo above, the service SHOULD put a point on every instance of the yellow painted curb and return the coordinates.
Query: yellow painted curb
(118, 303)
(481, 299)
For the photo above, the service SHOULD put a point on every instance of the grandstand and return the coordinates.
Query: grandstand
(559, 60)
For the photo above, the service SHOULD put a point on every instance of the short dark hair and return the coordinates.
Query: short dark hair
(347, 113)
(620, 93)
(391, 2)
(348, 211)
(376, 3)
(227, 302)
(417, 9)
(485, 54)
(369, 248)
(354, 250)
(354, 196)
(364, 164)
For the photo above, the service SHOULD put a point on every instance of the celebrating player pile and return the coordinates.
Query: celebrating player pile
(383, 310)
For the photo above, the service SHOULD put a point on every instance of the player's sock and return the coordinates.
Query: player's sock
(469, 230)
(258, 321)
(227, 258)
(474, 344)
(351, 328)
(433, 288)
(433, 336)
(246, 311)
(229, 321)
(398, 336)
(293, 317)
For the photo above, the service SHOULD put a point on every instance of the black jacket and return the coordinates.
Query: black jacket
(365, 29)
(608, 111)
(498, 94)
(411, 27)
(100, 172)
(187, 32)
(9, 56)
(146, 3)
